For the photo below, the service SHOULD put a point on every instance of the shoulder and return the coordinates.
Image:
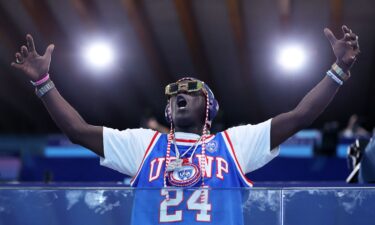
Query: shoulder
(138, 138)
(249, 129)
(133, 131)
(138, 133)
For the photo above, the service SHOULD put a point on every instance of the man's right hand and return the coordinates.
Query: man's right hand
(35, 66)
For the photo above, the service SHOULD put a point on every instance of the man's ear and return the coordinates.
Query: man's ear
(167, 112)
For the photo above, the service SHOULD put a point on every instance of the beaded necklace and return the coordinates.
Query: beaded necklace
(171, 137)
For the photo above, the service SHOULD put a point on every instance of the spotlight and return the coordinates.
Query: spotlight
(291, 57)
(99, 54)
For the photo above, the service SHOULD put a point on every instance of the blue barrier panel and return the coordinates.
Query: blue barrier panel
(120, 205)
(65, 206)
(329, 206)
(76, 206)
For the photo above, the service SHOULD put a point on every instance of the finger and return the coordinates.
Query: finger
(347, 37)
(49, 50)
(24, 51)
(330, 36)
(354, 58)
(353, 44)
(19, 58)
(349, 43)
(16, 65)
(30, 43)
(353, 36)
(350, 37)
(354, 55)
(356, 47)
(345, 29)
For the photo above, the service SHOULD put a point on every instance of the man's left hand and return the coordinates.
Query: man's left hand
(345, 49)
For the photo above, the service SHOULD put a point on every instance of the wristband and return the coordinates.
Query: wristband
(334, 77)
(44, 89)
(41, 81)
(341, 74)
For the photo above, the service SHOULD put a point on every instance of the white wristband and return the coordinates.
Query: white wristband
(45, 88)
(334, 77)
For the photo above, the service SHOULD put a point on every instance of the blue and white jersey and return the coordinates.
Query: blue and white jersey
(229, 155)
(221, 164)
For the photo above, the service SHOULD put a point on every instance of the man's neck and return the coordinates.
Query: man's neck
(193, 130)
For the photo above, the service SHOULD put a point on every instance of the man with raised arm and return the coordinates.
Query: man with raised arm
(189, 156)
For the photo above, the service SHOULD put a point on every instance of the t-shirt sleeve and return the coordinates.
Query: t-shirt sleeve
(252, 145)
(124, 150)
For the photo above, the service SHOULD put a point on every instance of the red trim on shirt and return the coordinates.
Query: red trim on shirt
(186, 140)
(190, 140)
(144, 156)
(235, 157)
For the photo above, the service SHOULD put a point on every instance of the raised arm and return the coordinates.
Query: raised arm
(36, 68)
(345, 49)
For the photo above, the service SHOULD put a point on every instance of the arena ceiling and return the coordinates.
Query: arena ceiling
(230, 44)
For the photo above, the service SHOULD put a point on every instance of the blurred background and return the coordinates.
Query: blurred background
(113, 59)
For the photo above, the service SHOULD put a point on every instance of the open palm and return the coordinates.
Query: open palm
(30, 62)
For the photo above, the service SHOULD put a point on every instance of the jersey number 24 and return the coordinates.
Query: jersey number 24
(197, 201)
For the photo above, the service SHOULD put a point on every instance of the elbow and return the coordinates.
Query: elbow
(73, 139)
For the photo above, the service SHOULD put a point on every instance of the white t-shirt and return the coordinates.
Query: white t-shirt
(124, 150)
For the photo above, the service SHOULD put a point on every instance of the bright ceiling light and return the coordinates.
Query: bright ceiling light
(291, 57)
(99, 54)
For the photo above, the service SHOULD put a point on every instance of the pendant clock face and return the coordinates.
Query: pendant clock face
(185, 176)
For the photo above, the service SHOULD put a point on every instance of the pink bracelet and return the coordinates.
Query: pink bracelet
(41, 81)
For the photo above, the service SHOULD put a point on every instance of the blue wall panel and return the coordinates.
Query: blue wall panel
(114, 205)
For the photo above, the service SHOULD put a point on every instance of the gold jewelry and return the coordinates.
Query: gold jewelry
(340, 73)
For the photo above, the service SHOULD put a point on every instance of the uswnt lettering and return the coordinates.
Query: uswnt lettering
(219, 163)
